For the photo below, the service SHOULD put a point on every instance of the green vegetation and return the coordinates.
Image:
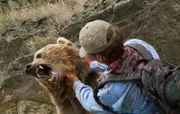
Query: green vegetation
(38, 42)
(22, 10)
(2, 22)
(3, 78)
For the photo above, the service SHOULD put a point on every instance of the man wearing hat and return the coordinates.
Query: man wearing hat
(104, 42)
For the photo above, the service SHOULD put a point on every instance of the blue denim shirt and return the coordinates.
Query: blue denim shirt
(122, 97)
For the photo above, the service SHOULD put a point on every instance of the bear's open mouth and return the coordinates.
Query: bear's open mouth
(45, 71)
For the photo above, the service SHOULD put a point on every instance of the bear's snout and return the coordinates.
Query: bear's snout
(29, 69)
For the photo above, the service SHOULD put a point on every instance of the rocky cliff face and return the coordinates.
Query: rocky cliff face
(155, 21)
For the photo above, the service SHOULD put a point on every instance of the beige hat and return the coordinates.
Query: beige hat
(92, 37)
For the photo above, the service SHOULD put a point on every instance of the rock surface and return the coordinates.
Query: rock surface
(155, 21)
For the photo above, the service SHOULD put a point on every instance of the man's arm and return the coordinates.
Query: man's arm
(84, 94)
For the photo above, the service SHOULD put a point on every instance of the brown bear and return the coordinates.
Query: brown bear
(49, 67)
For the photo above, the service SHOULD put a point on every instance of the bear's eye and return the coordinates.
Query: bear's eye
(69, 44)
(39, 55)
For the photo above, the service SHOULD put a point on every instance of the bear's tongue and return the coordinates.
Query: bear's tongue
(44, 71)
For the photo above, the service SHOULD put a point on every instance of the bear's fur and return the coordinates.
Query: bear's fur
(49, 67)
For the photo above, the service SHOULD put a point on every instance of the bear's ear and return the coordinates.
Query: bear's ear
(62, 40)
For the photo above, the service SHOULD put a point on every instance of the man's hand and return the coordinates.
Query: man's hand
(70, 79)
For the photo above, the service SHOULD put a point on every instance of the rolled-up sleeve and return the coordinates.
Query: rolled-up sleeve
(84, 94)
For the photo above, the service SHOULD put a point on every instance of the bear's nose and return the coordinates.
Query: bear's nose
(28, 68)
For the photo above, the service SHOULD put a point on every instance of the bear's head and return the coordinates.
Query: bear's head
(50, 65)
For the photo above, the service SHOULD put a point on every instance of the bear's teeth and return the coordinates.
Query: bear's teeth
(53, 73)
(50, 79)
(41, 67)
(36, 70)
(38, 75)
